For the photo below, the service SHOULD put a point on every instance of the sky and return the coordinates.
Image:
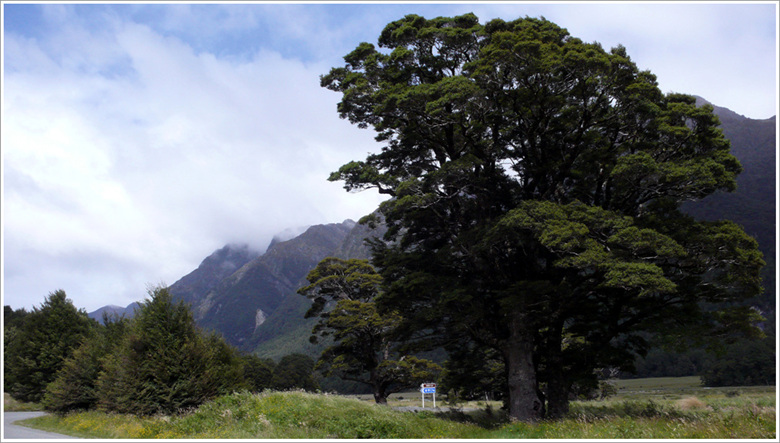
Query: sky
(137, 138)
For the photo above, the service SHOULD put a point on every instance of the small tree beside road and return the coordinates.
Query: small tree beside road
(363, 351)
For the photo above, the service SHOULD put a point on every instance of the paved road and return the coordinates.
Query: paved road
(11, 430)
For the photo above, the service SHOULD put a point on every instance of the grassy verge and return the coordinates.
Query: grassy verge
(750, 413)
(270, 415)
(12, 405)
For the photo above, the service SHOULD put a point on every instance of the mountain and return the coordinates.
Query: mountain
(257, 301)
(114, 310)
(251, 298)
(221, 264)
(753, 204)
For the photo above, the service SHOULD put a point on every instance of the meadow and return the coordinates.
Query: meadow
(671, 408)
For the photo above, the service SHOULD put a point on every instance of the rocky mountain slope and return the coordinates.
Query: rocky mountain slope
(114, 311)
(243, 302)
(221, 264)
(753, 205)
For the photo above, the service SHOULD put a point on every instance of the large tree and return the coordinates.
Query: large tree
(535, 185)
(362, 348)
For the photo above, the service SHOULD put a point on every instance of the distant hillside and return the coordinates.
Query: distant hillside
(753, 205)
(243, 302)
(287, 331)
(115, 311)
(221, 264)
(251, 299)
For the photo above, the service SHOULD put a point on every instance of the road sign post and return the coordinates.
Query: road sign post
(426, 389)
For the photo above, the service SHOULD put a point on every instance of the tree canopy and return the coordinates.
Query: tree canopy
(362, 339)
(535, 185)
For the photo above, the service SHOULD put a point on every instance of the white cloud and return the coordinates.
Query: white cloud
(155, 166)
(138, 139)
(724, 52)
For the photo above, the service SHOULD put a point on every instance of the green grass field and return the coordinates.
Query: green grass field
(673, 408)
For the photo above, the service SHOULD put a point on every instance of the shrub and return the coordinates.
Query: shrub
(294, 371)
(75, 386)
(745, 363)
(165, 364)
(38, 349)
(258, 372)
(690, 403)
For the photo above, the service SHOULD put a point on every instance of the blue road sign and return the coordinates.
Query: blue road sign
(429, 390)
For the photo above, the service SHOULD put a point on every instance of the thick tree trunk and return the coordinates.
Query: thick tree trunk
(557, 395)
(524, 404)
(557, 383)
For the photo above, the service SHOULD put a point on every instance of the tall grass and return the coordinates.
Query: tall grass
(298, 415)
(643, 419)
(12, 405)
(271, 415)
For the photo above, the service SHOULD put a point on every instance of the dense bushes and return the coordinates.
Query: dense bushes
(164, 363)
(258, 372)
(746, 363)
(39, 344)
(159, 362)
(667, 363)
(75, 386)
(294, 371)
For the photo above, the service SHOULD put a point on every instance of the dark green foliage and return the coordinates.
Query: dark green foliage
(258, 372)
(164, 364)
(294, 371)
(42, 342)
(663, 363)
(13, 318)
(335, 279)
(75, 387)
(753, 205)
(474, 374)
(12, 322)
(536, 184)
(343, 293)
(745, 363)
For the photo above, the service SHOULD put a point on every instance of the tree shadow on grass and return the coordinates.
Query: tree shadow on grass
(487, 418)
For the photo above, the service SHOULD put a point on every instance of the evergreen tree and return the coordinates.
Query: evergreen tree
(473, 373)
(258, 372)
(12, 321)
(165, 364)
(536, 183)
(75, 387)
(294, 371)
(745, 363)
(13, 318)
(44, 339)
